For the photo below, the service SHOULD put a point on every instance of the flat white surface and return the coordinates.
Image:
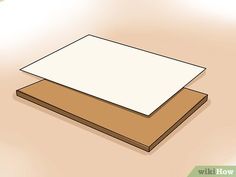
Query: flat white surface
(129, 77)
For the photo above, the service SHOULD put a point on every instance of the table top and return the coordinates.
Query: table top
(37, 142)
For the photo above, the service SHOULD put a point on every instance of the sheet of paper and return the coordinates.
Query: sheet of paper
(129, 77)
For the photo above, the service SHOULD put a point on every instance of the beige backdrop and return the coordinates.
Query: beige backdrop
(37, 142)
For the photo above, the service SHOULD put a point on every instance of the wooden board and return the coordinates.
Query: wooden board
(142, 131)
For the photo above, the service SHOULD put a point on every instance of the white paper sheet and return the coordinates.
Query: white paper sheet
(129, 77)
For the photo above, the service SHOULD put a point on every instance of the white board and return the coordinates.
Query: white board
(129, 77)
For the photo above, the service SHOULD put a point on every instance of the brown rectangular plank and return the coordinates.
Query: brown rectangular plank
(142, 131)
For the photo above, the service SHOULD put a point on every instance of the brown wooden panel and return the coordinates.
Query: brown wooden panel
(142, 131)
